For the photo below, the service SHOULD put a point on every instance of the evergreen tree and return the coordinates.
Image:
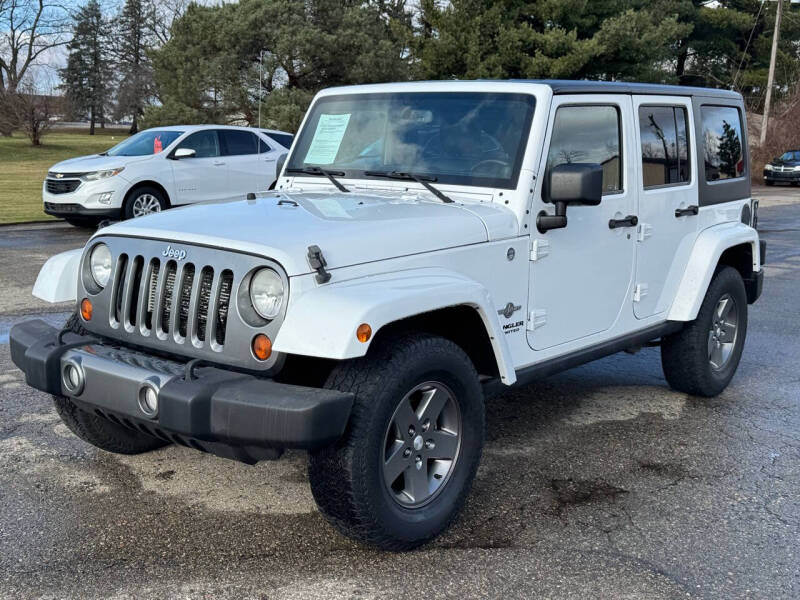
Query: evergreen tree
(87, 76)
(133, 40)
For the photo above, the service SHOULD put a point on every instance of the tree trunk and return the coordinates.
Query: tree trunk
(135, 125)
(91, 121)
(680, 66)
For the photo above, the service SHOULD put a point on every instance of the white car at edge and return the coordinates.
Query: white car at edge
(162, 167)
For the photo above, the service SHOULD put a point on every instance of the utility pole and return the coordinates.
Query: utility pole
(771, 77)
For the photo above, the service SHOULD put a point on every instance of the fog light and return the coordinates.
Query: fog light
(148, 400)
(105, 198)
(72, 378)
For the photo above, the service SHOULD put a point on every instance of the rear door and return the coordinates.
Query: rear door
(203, 176)
(251, 161)
(581, 274)
(668, 208)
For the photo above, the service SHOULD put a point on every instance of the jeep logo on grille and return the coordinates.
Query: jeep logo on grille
(176, 253)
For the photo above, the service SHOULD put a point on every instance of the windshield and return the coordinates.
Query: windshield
(145, 143)
(791, 155)
(468, 138)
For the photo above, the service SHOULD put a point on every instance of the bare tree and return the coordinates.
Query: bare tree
(28, 111)
(28, 29)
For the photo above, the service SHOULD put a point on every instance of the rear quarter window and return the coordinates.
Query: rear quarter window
(723, 154)
(284, 139)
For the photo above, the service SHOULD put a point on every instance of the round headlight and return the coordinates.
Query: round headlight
(100, 264)
(266, 293)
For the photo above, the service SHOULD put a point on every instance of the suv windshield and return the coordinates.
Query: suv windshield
(468, 138)
(145, 143)
(790, 156)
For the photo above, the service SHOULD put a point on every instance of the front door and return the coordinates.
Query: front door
(668, 207)
(581, 274)
(203, 176)
(251, 162)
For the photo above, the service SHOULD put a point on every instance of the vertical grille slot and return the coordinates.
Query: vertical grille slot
(203, 300)
(118, 292)
(184, 298)
(166, 296)
(223, 303)
(152, 288)
(133, 290)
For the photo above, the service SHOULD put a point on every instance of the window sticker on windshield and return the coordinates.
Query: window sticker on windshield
(327, 139)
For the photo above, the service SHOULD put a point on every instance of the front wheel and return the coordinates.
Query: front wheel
(144, 201)
(402, 471)
(702, 358)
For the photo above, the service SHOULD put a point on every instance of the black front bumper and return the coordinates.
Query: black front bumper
(231, 414)
(77, 211)
(785, 176)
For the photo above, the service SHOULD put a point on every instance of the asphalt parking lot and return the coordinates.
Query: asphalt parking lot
(596, 483)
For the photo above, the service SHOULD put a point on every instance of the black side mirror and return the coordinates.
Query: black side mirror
(571, 183)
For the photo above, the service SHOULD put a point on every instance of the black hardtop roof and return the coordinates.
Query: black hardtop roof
(584, 86)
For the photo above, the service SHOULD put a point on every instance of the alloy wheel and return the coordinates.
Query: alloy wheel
(145, 204)
(723, 333)
(421, 445)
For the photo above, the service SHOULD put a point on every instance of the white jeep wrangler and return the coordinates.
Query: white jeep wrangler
(428, 244)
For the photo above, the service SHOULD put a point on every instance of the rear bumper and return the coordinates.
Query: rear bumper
(230, 414)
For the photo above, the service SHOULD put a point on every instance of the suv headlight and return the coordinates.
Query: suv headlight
(266, 293)
(100, 264)
(95, 175)
(768, 167)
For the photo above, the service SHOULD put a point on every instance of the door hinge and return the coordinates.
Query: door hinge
(539, 249)
(645, 231)
(639, 292)
(537, 318)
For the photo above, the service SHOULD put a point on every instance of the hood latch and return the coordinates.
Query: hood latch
(318, 263)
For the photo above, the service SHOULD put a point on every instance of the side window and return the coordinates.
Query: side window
(204, 143)
(237, 143)
(722, 142)
(284, 139)
(262, 146)
(665, 146)
(589, 134)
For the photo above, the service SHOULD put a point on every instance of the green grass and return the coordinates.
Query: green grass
(23, 167)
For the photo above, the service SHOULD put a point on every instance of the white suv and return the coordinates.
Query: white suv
(163, 167)
(429, 244)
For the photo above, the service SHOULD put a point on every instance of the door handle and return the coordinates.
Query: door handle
(219, 164)
(629, 221)
(685, 212)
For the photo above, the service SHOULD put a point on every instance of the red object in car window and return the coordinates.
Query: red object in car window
(157, 145)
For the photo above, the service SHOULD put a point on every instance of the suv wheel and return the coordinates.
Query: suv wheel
(702, 358)
(402, 471)
(144, 201)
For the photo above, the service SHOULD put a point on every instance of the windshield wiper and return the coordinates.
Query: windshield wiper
(332, 175)
(421, 179)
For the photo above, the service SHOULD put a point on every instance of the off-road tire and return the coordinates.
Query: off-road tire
(97, 430)
(684, 355)
(346, 477)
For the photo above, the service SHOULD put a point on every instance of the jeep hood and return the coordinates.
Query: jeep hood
(349, 228)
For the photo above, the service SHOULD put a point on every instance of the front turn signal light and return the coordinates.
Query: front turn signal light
(363, 333)
(86, 309)
(262, 347)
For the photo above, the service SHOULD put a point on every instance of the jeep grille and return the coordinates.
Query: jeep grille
(179, 306)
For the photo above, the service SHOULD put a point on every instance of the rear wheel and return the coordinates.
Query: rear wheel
(144, 201)
(702, 358)
(402, 471)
